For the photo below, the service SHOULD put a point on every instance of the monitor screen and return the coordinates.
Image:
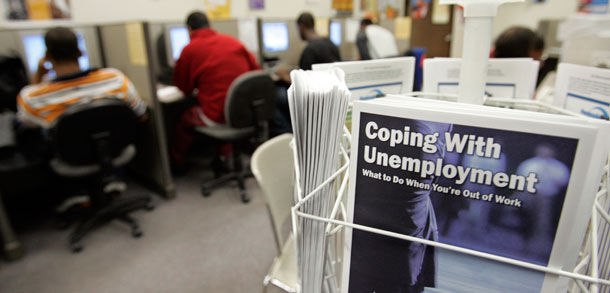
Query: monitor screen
(179, 38)
(335, 33)
(35, 49)
(275, 36)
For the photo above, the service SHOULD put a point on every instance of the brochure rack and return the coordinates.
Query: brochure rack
(589, 275)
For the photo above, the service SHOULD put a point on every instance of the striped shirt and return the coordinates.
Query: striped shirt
(43, 103)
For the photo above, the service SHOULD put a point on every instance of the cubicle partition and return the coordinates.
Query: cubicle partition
(126, 46)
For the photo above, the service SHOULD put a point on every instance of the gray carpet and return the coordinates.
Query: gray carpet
(190, 244)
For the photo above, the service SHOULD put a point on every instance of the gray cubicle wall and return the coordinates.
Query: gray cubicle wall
(152, 162)
(227, 27)
(8, 43)
(155, 32)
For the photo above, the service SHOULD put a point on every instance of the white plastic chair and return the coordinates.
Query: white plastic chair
(273, 166)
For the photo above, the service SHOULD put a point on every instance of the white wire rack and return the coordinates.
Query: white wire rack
(591, 274)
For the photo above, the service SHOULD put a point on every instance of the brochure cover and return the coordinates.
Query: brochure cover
(513, 78)
(368, 79)
(496, 185)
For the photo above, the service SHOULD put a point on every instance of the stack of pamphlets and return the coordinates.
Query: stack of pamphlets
(318, 103)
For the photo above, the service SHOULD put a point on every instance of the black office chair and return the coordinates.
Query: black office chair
(90, 141)
(249, 106)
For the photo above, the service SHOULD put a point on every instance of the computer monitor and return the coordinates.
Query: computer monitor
(336, 33)
(35, 49)
(275, 36)
(178, 37)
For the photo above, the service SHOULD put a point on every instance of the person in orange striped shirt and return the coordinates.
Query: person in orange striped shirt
(41, 103)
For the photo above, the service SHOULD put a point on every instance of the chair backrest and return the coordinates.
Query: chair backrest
(250, 100)
(13, 78)
(80, 132)
(273, 166)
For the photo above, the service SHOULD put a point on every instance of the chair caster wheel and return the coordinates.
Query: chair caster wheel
(244, 197)
(76, 247)
(205, 192)
(136, 233)
(149, 206)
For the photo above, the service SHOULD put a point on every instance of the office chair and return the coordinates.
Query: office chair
(90, 141)
(273, 168)
(250, 104)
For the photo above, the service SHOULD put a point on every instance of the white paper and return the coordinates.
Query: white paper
(318, 102)
(370, 78)
(584, 90)
(506, 78)
(248, 34)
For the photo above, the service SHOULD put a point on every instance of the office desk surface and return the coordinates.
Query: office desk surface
(169, 94)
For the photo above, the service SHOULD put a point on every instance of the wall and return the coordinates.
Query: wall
(105, 11)
(528, 14)
(525, 14)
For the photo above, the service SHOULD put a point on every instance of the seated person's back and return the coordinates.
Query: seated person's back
(209, 63)
(41, 103)
(318, 49)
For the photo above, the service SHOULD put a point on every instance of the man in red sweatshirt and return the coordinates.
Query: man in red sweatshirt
(209, 63)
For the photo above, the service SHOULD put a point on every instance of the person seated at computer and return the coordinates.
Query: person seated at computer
(518, 42)
(362, 41)
(208, 64)
(318, 50)
(42, 102)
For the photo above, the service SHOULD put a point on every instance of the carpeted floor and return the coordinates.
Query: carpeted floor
(190, 244)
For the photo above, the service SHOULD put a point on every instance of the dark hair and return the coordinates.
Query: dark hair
(366, 21)
(62, 45)
(197, 20)
(517, 42)
(306, 20)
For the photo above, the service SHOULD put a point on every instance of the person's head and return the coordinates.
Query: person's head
(519, 42)
(62, 46)
(365, 22)
(305, 23)
(197, 20)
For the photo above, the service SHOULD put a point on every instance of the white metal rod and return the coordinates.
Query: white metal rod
(333, 213)
(347, 133)
(594, 246)
(328, 180)
(581, 286)
(475, 56)
(583, 263)
(461, 250)
(601, 211)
